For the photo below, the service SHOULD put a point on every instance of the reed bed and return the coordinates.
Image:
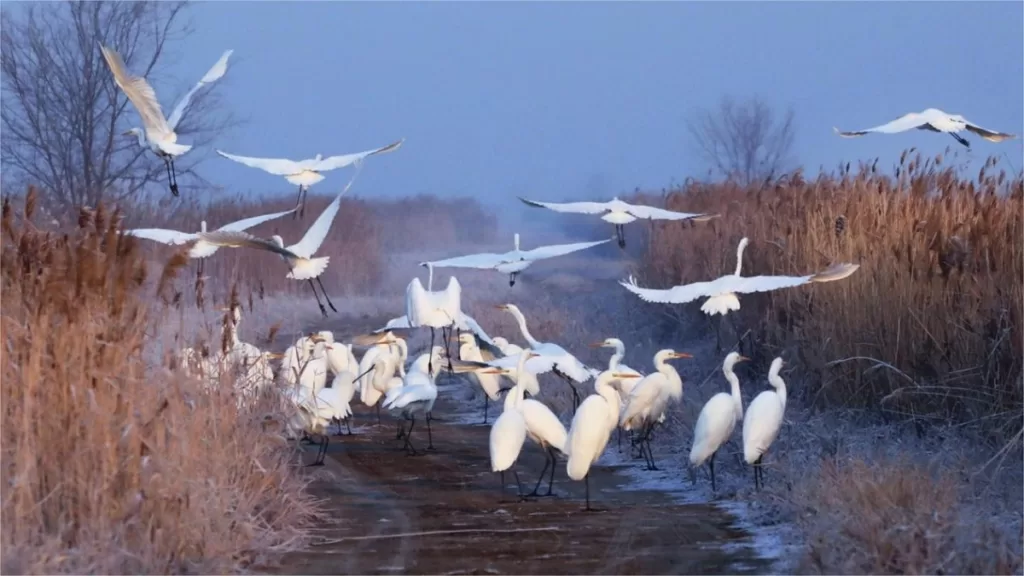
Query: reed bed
(929, 327)
(113, 462)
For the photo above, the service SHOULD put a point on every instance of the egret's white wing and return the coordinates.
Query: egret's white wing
(239, 239)
(572, 207)
(334, 162)
(316, 234)
(535, 365)
(212, 75)
(901, 124)
(162, 235)
(652, 213)
(483, 260)
(276, 166)
(749, 284)
(479, 332)
(990, 135)
(676, 294)
(247, 223)
(559, 250)
(141, 95)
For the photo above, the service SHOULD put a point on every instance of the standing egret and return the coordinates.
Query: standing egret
(514, 261)
(625, 387)
(721, 292)
(201, 249)
(417, 395)
(305, 173)
(433, 308)
(763, 421)
(592, 427)
(160, 136)
(508, 434)
(718, 419)
(935, 120)
(618, 213)
(489, 383)
(649, 400)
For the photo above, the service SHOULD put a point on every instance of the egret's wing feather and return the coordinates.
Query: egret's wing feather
(239, 239)
(316, 234)
(570, 207)
(674, 295)
(652, 213)
(212, 75)
(480, 334)
(140, 93)
(990, 135)
(835, 272)
(343, 160)
(247, 223)
(484, 260)
(559, 249)
(901, 124)
(276, 166)
(749, 284)
(162, 235)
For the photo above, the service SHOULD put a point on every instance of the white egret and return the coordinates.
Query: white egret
(200, 249)
(160, 136)
(489, 383)
(506, 348)
(592, 427)
(721, 292)
(625, 387)
(718, 419)
(305, 173)
(417, 395)
(425, 307)
(618, 213)
(550, 357)
(514, 261)
(763, 421)
(935, 120)
(508, 433)
(649, 400)
(388, 353)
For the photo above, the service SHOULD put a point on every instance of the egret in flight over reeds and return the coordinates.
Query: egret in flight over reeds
(619, 213)
(721, 292)
(160, 136)
(935, 120)
(305, 173)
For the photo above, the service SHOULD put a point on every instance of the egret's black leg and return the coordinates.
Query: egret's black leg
(430, 436)
(378, 414)
(318, 303)
(430, 352)
(170, 178)
(408, 436)
(348, 425)
(512, 279)
(326, 297)
(621, 234)
(321, 450)
(519, 487)
(487, 402)
(540, 478)
(959, 139)
(174, 179)
(586, 480)
(554, 462)
(299, 208)
(711, 466)
(502, 499)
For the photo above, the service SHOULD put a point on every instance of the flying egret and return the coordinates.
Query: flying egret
(592, 427)
(201, 249)
(935, 120)
(721, 292)
(425, 307)
(718, 419)
(618, 213)
(763, 421)
(160, 136)
(514, 261)
(305, 173)
(649, 400)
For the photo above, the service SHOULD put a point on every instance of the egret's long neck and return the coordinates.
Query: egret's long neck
(516, 394)
(780, 387)
(610, 395)
(620, 351)
(515, 240)
(141, 138)
(734, 384)
(739, 257)
(430, 277)
(674, 381)
(522, 327)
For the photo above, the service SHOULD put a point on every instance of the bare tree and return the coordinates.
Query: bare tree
(63, 116)
(744, 141)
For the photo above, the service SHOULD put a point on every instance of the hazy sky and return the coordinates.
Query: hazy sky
(570, 99)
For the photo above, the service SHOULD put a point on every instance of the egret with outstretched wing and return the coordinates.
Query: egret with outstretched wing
(721, 292)
(618, 213)
(514, 261)
(934, 120)
(305, 173)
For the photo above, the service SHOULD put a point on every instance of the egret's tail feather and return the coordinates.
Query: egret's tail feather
(309, 268)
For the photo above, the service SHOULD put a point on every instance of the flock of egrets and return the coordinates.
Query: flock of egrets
(622, 398)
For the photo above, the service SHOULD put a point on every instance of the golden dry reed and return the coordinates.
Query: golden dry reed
(113, 463)
(929, 326)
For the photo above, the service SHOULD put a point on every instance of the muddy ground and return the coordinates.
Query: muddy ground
(442, 513)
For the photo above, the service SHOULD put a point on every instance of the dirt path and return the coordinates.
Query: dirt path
(442, 513)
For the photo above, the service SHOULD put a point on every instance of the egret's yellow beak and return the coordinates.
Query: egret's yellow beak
(624, 375)
(275, 355)
(597, 345)
(681, 355)
(501, 307)
(223, 309)
(743, 359)
(491, 371)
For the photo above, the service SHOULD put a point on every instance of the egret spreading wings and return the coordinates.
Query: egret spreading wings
(514, 261)
(618, 213)
(935, 120)
(305, 173)
(721, 292)
(159, 136)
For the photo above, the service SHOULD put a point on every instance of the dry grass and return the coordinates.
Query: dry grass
(929, 327)
(112, 463)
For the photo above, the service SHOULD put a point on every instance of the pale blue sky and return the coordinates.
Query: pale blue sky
(571, 99)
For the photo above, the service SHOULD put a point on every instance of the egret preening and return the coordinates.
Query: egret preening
(514, 261)
(763, 421)
(160, 136)
(551, 357)
(618, 213)
(591, 428)
(305, 173)
(934, 120)
(649, 400)
(721, 292)
(201, 249)
(718, 419)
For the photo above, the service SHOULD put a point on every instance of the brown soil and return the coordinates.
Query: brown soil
(442, 513)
